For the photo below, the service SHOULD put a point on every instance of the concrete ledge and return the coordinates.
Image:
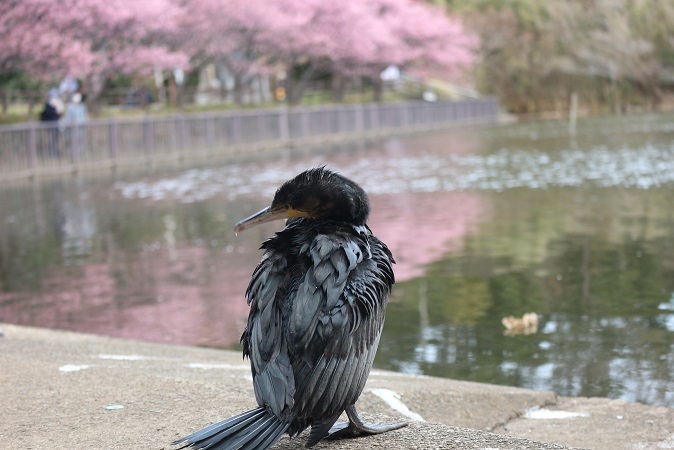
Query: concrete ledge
(63, 390)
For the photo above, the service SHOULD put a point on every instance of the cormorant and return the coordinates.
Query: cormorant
(317, 303)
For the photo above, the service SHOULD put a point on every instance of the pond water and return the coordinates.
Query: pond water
(484, 223)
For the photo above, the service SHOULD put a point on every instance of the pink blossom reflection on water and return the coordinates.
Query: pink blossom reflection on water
(194, 295)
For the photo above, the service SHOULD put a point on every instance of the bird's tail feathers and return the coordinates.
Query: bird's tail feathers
(254, 429)
(321, 429)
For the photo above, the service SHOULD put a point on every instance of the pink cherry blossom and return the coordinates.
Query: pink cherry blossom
(96, 40)
(90, 39)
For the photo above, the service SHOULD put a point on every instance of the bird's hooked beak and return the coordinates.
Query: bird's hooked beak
(268, 214)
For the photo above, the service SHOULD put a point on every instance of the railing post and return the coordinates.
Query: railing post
(375, 108)
(210, 131)
(358, 112)
(113, 139)
(235, 122)
(283, 125)
(405, 115)
(343, 119)
(260, 128)
(146, 137)
(304, 121)
(32, 146)
(182, 133)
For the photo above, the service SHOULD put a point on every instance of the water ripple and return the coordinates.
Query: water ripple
(644, 167)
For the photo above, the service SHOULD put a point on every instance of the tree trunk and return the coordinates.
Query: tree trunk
(172, 91)
(337, 87)
(378, 87)
(5, 100)
(238, 89)
(651, 91)
(296, 90)
(94, 86)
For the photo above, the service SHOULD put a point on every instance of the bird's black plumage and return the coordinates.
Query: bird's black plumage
(317, 303)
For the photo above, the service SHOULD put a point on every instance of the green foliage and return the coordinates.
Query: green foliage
(16, 80)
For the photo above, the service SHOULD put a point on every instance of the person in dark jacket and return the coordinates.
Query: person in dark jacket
(50, 115)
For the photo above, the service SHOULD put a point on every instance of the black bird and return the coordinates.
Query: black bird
(317, 303)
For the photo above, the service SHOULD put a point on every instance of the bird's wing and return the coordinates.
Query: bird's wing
(335, 324)
(273, 378)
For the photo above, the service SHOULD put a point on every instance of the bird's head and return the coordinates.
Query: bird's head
(318, 194)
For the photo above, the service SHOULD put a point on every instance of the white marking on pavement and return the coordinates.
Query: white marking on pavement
(114, 407)
(393, 400)
(547, 414)
(217, 366)
(73, 367)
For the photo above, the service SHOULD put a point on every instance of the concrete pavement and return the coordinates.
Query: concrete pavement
(63, 390)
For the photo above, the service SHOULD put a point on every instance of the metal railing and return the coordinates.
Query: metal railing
(37, 148)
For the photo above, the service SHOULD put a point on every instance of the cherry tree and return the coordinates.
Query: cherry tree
(347, 38)
(418, 38)
(229, 32)
(98, 39)
(430, 42)
(89, 39)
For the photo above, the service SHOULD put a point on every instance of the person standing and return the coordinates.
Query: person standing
(74, 120)
(50, 115)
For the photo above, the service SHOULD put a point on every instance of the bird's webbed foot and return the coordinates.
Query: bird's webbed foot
(357, 428)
